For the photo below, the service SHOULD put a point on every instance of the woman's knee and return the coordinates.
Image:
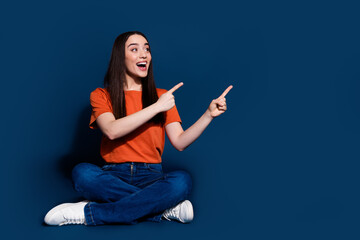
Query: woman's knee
(181, 181)
(83, 174)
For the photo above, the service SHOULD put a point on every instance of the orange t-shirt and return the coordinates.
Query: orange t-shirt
(144, 144)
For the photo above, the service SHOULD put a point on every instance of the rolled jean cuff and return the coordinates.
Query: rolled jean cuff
(88, 215)
(157, 218)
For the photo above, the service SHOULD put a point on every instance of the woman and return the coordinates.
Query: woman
(133, 116)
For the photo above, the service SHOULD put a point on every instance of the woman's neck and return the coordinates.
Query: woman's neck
(132, 84)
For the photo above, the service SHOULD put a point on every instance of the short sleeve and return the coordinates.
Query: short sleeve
(171, 115)
(100, 103)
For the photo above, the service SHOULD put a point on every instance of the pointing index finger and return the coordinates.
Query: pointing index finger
(226, 91)
(176, 87)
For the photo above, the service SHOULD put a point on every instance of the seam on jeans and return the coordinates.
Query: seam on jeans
(151, 169)
(131, 172)
(92, 219)
(108, 167)
(153, 180)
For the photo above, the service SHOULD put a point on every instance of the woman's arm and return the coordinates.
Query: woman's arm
(116, 128)
(181, 139)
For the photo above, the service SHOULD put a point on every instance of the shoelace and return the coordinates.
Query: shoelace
(172, 212)
(76, 220)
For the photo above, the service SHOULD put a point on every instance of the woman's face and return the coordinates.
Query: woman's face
(137, 57)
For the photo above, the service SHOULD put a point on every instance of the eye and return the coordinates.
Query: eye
(147, 49)
(133, 49)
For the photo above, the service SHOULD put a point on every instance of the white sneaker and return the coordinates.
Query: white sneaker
(66, 213)
(182, 212)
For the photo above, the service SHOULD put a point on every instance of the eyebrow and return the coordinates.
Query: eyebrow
(137, 44)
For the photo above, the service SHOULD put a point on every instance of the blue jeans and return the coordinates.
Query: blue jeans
(128, 192)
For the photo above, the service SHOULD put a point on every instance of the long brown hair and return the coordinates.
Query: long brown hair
(114, 80)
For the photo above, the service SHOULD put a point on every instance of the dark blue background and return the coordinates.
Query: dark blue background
(282, 163)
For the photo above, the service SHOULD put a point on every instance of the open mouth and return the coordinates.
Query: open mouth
(141, 66)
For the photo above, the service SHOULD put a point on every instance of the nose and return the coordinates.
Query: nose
(143, 54)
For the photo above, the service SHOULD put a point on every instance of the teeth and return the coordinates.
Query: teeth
(141, 64)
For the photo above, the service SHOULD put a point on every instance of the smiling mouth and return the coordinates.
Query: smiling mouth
(141, 66)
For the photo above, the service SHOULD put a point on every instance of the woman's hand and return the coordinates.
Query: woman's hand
(218, 106)
(167, 100)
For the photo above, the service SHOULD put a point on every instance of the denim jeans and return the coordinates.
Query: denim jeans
(128, 192)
